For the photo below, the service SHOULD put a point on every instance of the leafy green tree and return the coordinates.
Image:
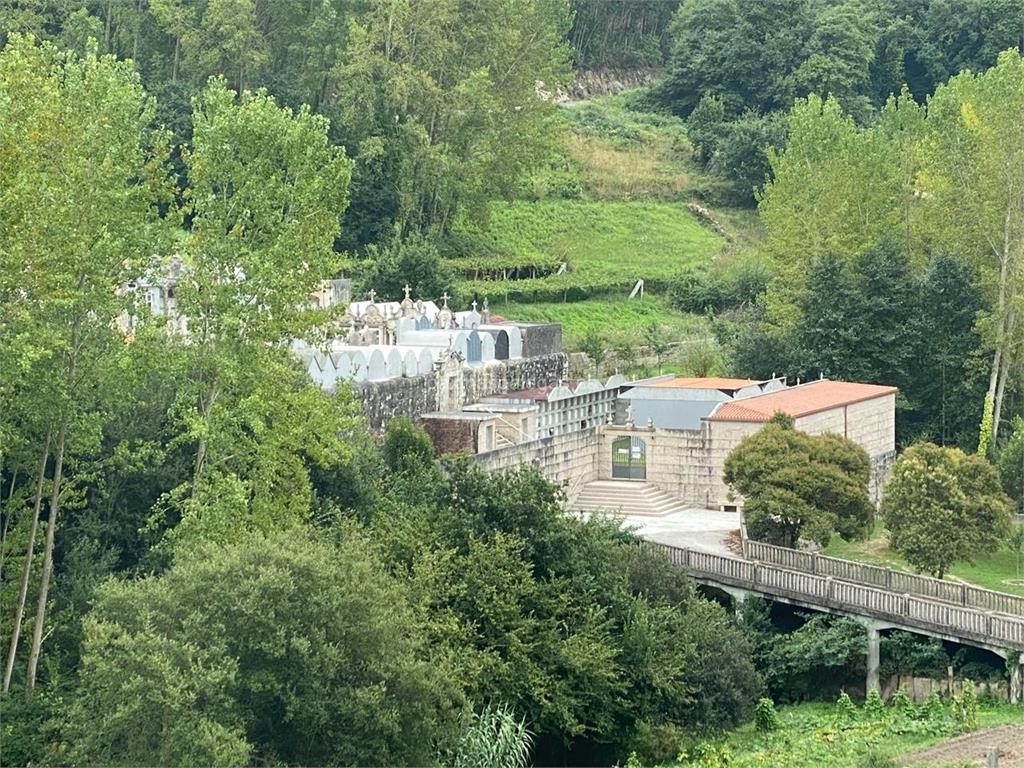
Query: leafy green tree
(1011, 464)
(442, 98)
(743, 52)
(705, 125)
(813, 661)
(584, 604)
(657, 343)
(595, 347)
(741, 153)
(214, 661)
(265, 185)
(414, 261)
(800, 486)
(973, 177)
(407, 448)
(75, 132)
(836, 186)
(946, 385)
(830, 328)
(942, 506)
(625, 34)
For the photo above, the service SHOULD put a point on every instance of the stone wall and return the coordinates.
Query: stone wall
(541, 338)
(679, 462)
(452, 435)
(513, 375)
(452, 386)
(569, 460)
(384, 400)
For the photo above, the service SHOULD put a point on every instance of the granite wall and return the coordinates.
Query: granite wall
(450, 388)
(513, 375)
(541, 338)
(452, 435)
(384, 400)
(568, 460)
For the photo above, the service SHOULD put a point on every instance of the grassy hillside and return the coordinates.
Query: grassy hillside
(613, 316)
(613, 208)
(606, 245)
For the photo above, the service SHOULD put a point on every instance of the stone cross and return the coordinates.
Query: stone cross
(474, 305)
(373, 295)
(407, 289)
(444, 298)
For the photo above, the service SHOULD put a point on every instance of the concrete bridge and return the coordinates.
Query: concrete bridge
(878, 598)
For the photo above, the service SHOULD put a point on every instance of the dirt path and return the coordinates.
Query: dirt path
(971, 749)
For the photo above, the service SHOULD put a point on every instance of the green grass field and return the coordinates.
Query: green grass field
(816, 736)
(603, 242)
(992, 571)
(613, 316)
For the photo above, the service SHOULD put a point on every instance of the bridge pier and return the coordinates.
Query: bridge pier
(1017, 681)
(874, 658)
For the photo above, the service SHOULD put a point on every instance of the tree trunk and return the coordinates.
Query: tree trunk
(7, 522)
(177, 56)
(138, 31)
(1002, 332)
(106, 27)
(44, 583)
(1004, 374)
(26, 570)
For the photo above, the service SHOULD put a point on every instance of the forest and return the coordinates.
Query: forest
(207, 560)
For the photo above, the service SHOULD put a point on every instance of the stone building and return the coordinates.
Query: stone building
(688, 463)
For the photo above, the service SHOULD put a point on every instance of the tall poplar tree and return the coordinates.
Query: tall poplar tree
(82, 174)
(973, 184)
(263, 210)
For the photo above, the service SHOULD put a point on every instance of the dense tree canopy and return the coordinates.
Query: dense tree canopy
(208, 560)
(797, 486)
(942, 506)
(763, 55)
(281, 646)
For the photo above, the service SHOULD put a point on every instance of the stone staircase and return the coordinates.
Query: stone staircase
(627, 497)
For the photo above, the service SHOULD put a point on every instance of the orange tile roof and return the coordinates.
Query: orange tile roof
(713, 382)
(801, 400)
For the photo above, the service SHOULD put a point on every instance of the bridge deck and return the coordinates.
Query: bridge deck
(928, 615)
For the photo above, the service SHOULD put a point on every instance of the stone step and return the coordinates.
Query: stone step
(628, 497)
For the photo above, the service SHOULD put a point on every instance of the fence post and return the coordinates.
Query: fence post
(814, 563)
(963, 594)
(888, 578)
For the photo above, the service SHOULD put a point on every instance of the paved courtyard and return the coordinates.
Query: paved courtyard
(704, 529)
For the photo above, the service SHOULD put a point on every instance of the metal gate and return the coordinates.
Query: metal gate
(629, 458)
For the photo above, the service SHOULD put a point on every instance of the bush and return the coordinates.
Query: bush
(901, 703)
(744, 281)
(846, 710)
(413, 261)
(696, 290)
(874, 707)
(496, 737)
(765, 717)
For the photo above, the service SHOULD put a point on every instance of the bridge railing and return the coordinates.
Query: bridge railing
(826, 591)
(898, 581)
